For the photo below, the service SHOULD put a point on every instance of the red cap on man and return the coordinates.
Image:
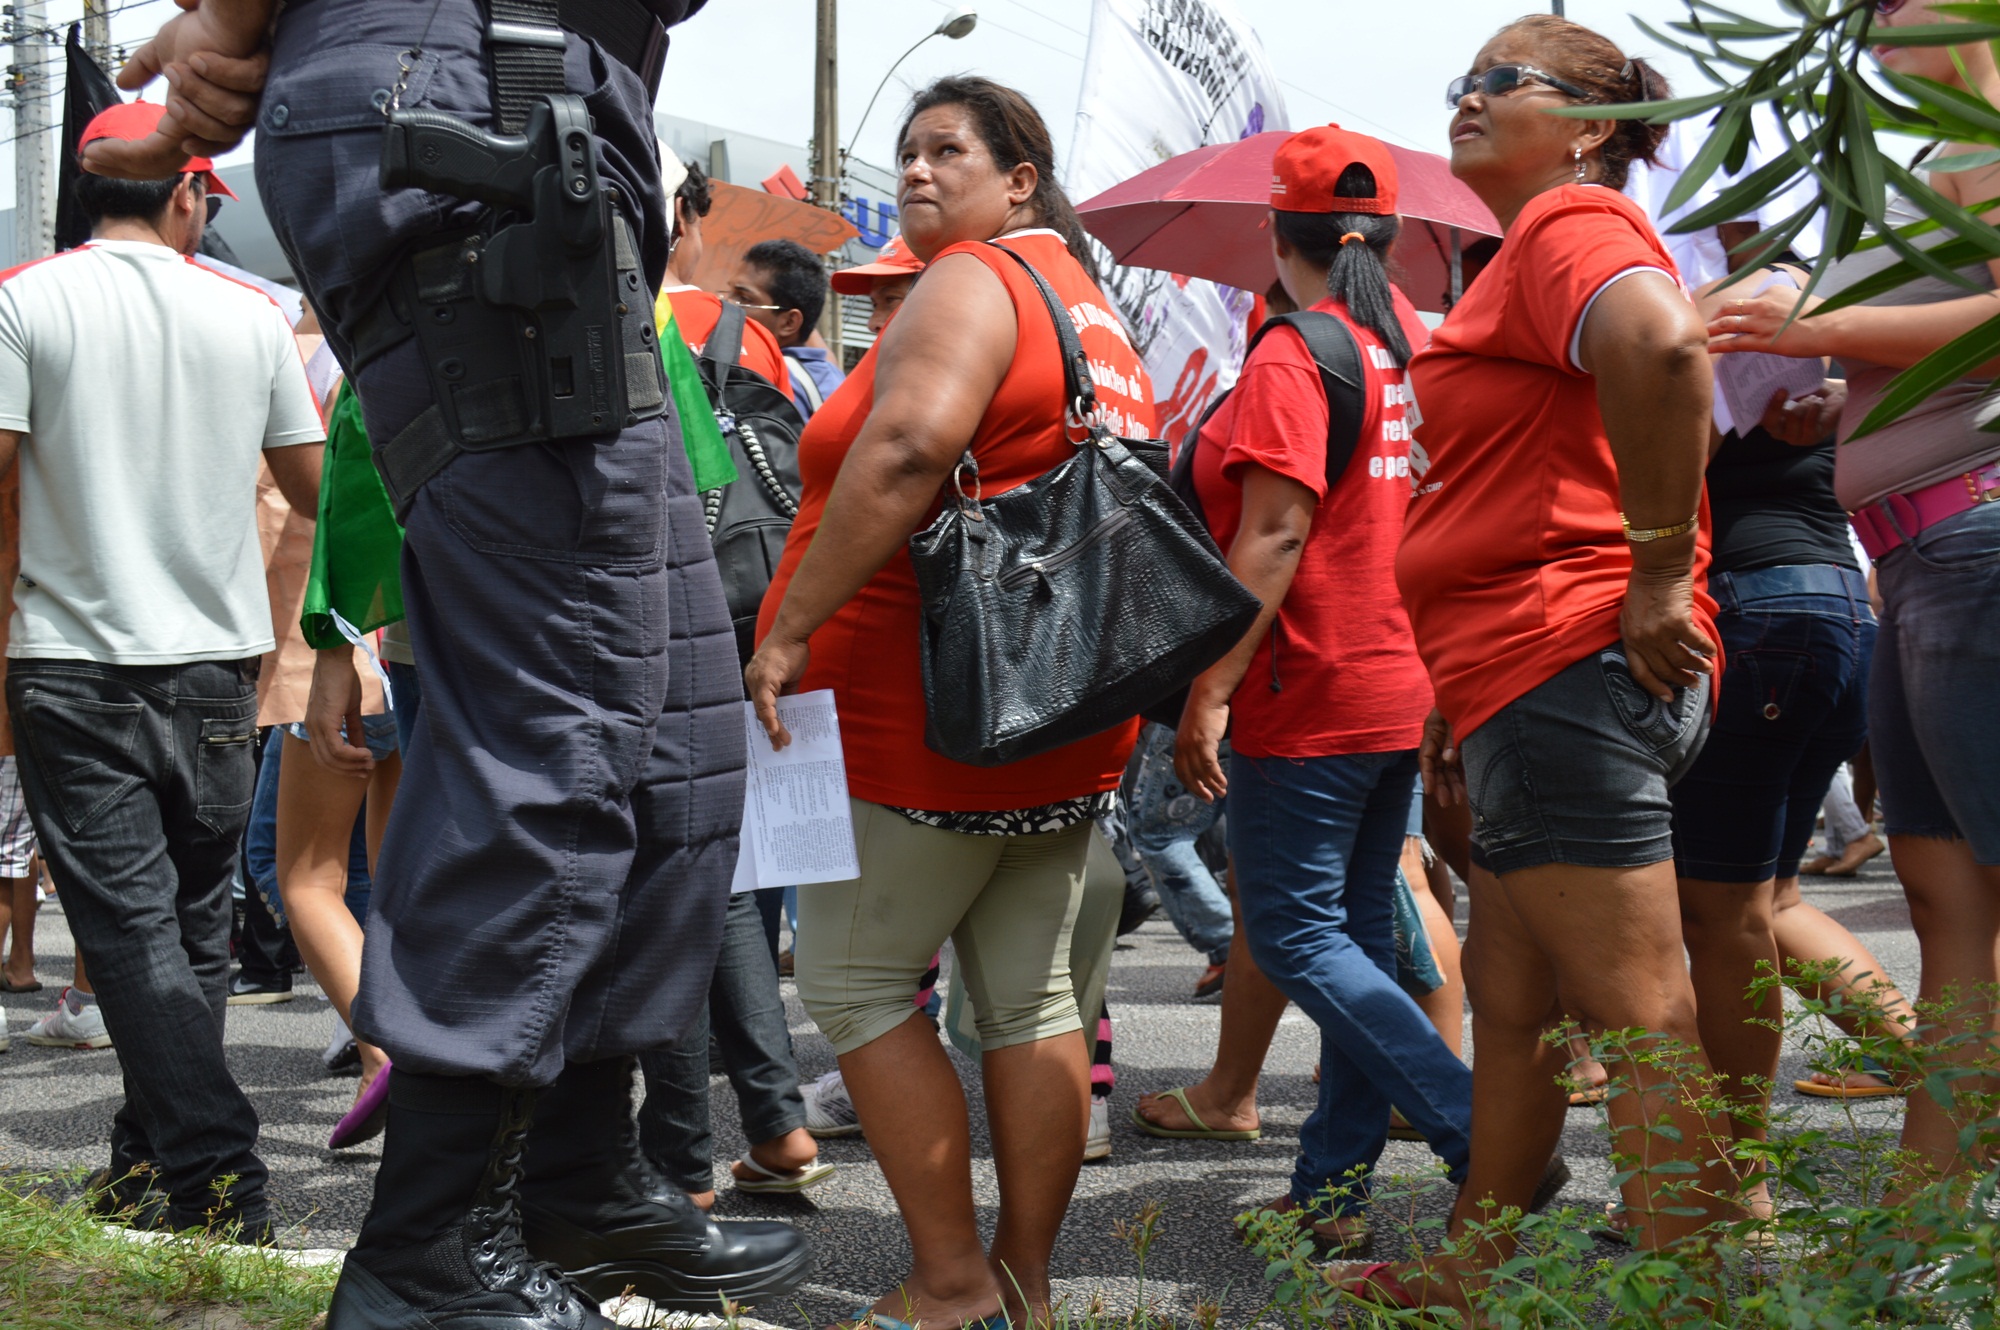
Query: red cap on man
(895, 260)
(1308, 166)
(133, 121)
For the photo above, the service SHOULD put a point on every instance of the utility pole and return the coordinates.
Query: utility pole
(1556, 7)
(34, 220)
(97, 33)
(826, 146)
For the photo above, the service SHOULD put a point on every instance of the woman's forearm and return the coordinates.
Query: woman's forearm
(1898, 336)
(1265, 562)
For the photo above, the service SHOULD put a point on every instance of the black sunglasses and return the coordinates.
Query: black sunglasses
(1503, 79)
(214, 202)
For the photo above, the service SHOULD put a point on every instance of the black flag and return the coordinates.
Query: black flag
(88, 91)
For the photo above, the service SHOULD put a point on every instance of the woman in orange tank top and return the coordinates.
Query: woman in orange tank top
(990, 857)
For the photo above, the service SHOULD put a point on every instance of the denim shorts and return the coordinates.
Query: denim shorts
(1794, 706)
(380, 730)
(1934, 689)
(1576, 770)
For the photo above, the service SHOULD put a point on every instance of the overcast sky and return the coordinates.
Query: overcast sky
(1374, 65)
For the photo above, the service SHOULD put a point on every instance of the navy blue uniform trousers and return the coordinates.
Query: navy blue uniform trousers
(557, 864)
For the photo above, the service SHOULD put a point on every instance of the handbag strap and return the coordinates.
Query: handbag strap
(1082, 397)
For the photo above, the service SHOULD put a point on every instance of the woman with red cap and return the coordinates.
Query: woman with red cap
(1326, 694)
(1554, 568)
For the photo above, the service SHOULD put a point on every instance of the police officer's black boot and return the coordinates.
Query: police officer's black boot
(441, 1248)
(594, 1206)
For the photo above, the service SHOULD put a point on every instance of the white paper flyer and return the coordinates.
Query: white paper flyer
(797, 828)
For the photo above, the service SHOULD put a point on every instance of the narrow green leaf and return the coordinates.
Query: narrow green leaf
(1732, 128)
(1951, 362)
(1870, 182)
(1964, 161)
(1675, 108)
(1743, 196)
(1935, 34)
(1940, 208)
(1951, 255)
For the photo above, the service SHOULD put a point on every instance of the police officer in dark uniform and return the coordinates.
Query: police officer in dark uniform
(470, 193)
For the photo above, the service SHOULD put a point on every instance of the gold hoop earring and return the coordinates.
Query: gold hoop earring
(1580, 172)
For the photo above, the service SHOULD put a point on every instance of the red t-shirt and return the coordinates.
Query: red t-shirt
(1514, 564)
(696, 313)
(867, 652)
(1346, 678)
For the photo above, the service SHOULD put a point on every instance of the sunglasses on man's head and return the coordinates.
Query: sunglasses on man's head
(1503, 79)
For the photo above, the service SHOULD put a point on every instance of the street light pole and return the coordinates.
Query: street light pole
(826, 145)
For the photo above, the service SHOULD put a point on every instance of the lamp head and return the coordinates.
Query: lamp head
(958, 23)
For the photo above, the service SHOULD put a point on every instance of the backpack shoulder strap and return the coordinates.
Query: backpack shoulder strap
(802, 380)
(1338, 357)
(725, 344)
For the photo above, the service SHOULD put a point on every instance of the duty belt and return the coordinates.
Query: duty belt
(525, 41)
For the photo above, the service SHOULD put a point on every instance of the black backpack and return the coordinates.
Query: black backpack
(749, 519)
(1338, 358)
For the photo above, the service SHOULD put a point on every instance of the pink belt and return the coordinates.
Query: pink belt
(1900, 517)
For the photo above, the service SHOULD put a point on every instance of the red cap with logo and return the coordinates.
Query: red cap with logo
(1309, 163)
(133, 121)
(895, 260)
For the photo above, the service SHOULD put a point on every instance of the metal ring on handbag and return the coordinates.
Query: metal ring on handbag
(968, 503)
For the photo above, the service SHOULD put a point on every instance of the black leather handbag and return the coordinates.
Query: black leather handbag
(1068, 604)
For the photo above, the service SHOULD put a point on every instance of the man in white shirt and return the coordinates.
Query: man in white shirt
(138, 391)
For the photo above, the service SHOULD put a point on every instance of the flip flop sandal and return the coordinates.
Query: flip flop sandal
(1329, 1240)
(1401, 1130)
(1374, 1285)
(1201, 1130)
(32, 986)
(1869, 1067)
(773, 1182)
(869, 1320)
(1590, 1096)
(1609, 1228)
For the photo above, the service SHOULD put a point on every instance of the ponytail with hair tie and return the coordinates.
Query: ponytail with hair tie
(1354, 238)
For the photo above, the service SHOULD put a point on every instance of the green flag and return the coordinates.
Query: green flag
(358, 545)
(707, 452)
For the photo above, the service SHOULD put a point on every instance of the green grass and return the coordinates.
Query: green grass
(61, 1269)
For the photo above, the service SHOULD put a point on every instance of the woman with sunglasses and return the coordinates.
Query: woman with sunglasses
(1553, 567)
(1924, 494)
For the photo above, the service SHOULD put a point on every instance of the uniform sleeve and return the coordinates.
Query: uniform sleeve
(294, 416)
(16, 397)
(1567, 256)
(1280, 416)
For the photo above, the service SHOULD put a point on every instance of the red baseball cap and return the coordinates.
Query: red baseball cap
(132, 121)
(1309, 163)
(895, 260)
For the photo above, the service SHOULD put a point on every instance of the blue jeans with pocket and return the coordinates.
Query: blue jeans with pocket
(1163, 821)
(1316, 842)
(138, 779)
(1796, 644)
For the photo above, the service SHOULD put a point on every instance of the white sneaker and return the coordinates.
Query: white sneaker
(63, 1028)
(1097, 1145)
(829, 1112)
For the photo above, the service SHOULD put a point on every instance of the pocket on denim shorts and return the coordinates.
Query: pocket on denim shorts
(82, 748)
(1968, 542)
(1654, 725)
(225, 771)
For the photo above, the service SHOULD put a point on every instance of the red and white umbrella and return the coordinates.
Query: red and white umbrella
(1201, 214)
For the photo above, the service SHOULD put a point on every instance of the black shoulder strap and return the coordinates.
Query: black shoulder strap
(1076, 365)
(1338, 357)
(725, 345)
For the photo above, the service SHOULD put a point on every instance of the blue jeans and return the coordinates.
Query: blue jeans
(138, 779)
(1934, 705)
(1315, 842)
(1163, 822)
(1796, 642)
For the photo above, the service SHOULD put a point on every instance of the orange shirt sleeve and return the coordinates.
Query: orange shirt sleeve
(762, 354)
(1562, 258)
(1280, 420)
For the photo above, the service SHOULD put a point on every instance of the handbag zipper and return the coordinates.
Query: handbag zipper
(1030, 571)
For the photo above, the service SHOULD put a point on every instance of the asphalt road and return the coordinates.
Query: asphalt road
(56, 1107)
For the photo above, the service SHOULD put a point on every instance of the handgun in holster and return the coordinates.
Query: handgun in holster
(536, 326)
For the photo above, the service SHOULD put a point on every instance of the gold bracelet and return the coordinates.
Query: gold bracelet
(1641, 535)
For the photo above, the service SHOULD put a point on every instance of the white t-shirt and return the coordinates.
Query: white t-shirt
(147, 387)
(1699, 254)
